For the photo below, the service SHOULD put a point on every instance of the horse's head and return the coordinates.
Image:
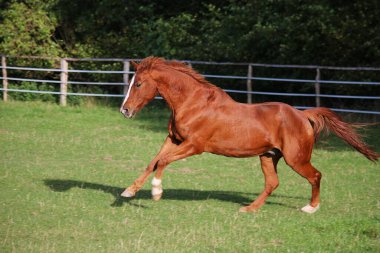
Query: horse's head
(141, 90)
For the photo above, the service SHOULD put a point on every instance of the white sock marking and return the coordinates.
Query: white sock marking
(156, 181)
(309, 209)
(127, 194)
(156, 191)
(156, 186)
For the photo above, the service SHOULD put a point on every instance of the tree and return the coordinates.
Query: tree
(27, 29)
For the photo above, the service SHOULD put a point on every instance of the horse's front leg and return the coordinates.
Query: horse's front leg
(181, 151)
(139, 182)
(171, 153)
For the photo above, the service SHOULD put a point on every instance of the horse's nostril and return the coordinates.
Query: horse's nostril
(126, 113)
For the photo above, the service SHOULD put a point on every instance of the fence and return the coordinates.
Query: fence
(250, 78)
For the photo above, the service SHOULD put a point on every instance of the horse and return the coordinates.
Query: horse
(204, 118)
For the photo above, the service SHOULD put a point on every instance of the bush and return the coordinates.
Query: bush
(23, 96)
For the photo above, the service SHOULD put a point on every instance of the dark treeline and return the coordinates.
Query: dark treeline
(334, 33)
(339, 32)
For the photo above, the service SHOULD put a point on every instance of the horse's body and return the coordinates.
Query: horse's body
(205, 119)
(241, 130)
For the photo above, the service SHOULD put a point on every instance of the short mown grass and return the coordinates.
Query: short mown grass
(62, 170)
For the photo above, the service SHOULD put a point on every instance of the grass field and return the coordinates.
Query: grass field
(62, 170)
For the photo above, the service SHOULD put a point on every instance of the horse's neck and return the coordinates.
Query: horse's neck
(178, 93)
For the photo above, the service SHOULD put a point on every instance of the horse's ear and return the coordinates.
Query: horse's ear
(135, 65)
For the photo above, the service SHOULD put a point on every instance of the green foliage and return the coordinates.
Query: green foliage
(28, 29)
(324, 32)
(21, 96)
(171, 38)
(337, 33)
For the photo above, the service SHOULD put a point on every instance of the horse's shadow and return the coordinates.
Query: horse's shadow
(241, 198)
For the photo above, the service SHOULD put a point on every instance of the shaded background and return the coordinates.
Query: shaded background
(333, 33)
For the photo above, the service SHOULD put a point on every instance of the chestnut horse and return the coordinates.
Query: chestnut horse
(205, 119)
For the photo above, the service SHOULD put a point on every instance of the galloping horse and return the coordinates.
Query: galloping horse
(205, 119)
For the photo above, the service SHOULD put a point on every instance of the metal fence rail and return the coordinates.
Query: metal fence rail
(205, 75)
(64, 80)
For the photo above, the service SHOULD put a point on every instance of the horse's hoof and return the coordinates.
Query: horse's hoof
(157, 197)
(247, 209)
(157, 192)
(127, 194)
(309, 209)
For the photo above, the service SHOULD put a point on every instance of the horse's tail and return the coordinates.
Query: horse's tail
(324, 119)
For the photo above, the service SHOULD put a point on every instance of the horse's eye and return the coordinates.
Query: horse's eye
(138, 85)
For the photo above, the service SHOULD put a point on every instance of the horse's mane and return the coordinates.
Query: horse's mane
(155, 62)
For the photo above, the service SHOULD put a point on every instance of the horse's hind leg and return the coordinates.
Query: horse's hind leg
(307, 171)
(269, 168)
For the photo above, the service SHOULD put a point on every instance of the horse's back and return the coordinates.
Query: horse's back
(253, 129)
(288, 120)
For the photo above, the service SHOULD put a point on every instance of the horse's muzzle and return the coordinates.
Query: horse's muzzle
(127, 113)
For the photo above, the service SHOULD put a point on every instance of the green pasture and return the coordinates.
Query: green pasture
(62, 170)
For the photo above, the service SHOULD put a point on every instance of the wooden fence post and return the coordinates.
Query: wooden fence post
(5, 80)
(317, 88)
(249, 84)
(126, 68)
(64, 79)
